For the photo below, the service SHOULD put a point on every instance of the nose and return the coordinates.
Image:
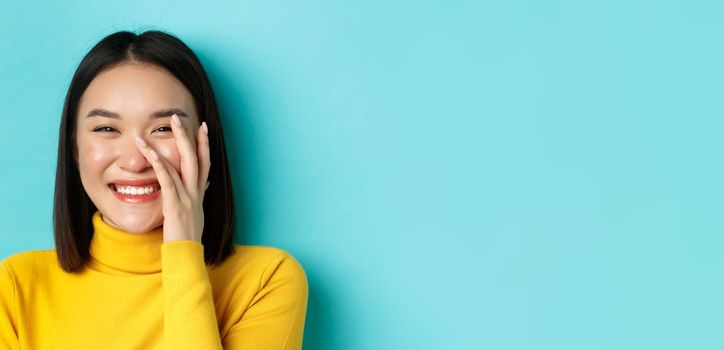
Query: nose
(130, 158)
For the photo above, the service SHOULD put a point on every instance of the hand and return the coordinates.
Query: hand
(182, 194)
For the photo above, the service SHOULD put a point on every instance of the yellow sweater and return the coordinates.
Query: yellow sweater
(139, 292)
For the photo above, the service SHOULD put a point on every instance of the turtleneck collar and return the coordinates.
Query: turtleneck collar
(123, 252)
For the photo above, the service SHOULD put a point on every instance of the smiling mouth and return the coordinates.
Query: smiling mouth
(135, 190)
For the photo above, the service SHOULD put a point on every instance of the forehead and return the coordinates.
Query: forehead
(136, 90)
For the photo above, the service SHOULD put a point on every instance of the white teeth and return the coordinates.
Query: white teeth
(132, 190)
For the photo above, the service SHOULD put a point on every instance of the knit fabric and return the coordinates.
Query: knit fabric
(138, 292)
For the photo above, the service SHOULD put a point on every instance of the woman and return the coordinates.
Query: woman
(144, 221)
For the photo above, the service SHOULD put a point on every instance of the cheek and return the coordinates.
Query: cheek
(169, 152)
(93, 157)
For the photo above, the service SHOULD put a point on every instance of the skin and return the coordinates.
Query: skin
(136, 146)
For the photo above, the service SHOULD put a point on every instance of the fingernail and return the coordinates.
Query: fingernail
(154, 155)
(207, 185)
(140, 141)
(206, 128)
(176, 120)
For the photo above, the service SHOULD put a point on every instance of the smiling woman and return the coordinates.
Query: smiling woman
(120, 103)
(144, 221)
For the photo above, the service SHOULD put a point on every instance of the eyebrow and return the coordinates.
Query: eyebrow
(99, 112)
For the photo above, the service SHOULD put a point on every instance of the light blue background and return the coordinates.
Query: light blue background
(451, 174)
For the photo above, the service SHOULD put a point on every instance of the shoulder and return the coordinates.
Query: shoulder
(262, 263)
(259, 254)
(29, 268)
(30, 263)
(263, 258)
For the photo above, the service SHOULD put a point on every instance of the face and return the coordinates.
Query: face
(122, 102)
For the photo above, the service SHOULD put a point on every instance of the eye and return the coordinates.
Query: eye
(168, 129)
(104, 129)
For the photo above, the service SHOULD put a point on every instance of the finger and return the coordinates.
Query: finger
(181, 191)
(203, 155)
(168, 184)
(189, 164)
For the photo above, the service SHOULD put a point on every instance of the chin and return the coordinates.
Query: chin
(138, 229)
(134, 221)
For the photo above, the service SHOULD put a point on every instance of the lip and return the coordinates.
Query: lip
(137, 182)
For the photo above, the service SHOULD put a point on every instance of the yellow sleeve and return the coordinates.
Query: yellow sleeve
(189, 314)
(8, 309)
(275, 319)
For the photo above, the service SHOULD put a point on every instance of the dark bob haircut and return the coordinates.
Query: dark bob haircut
(73, 209)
